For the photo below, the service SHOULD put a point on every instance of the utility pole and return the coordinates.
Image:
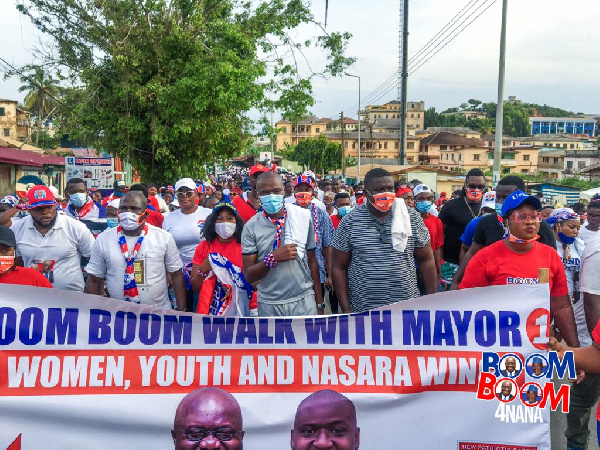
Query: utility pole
(500, 105)
(372, 147)
(343, 149)
(403, 73)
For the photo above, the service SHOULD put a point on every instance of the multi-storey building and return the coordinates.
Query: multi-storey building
(563, 141)
(15, 123)
(289, 134)
(415, 114)
(380, 145)
(564, 125)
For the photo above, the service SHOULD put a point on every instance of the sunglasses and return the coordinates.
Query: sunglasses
(185, 194)
(476, 186)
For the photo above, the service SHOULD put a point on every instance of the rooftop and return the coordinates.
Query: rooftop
(445, 138)
(571, 119)
(551, 138)
(21, 157)
(455, 130)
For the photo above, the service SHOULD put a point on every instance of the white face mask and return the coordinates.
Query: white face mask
(129, 221)
(225, 229)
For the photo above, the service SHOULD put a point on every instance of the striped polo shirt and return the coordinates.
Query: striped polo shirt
(378, 275)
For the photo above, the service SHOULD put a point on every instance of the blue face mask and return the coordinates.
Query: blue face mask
(118, 194)
(344, 210)
(271, 203)
(566, 239)
(499, 209)
(78, 200)
(424, 206)
(112, 222)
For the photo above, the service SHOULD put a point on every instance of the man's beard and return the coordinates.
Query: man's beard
(41, 225)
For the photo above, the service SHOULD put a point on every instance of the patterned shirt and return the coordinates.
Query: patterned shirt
(378, 275)
(325, 237)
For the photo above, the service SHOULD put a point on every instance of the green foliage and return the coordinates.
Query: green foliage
(319, 155)
(45, 141)
(516, 117)
(167, 84)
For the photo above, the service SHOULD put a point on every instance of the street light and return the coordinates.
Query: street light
(358, 171)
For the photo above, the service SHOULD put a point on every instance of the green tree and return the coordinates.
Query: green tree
(42, 89)
(167, 84)
(317, 154)
(474, 103)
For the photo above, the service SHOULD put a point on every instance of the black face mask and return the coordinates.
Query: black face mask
(50, 225)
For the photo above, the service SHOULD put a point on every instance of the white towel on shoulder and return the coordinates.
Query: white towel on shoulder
(401, 227)
(296, 228)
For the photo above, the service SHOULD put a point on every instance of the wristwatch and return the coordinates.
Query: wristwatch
(321, 305)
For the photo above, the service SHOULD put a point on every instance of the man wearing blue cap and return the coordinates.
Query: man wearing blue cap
(537, 367)
(518, 258)
(532, 394)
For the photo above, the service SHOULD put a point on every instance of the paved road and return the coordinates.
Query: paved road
(558, 425)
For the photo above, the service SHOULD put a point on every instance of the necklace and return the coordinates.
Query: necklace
(469, 206)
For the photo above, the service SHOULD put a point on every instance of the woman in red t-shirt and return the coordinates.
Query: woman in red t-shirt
(223, 233)
(518, 258)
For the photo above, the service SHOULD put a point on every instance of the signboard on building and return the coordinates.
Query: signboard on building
(97, 172)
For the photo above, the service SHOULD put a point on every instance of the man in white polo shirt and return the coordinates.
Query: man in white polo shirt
(52, 243)
(134, 259)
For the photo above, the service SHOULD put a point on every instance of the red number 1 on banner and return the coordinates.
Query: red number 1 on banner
(538, 328)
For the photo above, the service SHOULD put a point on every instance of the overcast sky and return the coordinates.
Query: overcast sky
(553, 52)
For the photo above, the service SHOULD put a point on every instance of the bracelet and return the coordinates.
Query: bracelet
(269, 261)
(203, 274)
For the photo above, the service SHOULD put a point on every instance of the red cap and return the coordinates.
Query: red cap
(258, 168)
(300, 179)
(40, 196)
(236, 190)
(403, 190)
(443, 194)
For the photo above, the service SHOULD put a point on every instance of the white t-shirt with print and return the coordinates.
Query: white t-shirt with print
(185, 229)
(587, 236)
(57, 254)
(157, 255)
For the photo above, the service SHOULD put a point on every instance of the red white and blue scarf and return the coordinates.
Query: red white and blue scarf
(130, 290)
(279, 224)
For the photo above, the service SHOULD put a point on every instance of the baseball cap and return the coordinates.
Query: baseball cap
(185, 182)
(118, 184)
(7, 237)
(517, 198)
(532, 388)
(304, 178)
(421, 188)
(489, 200)
(537, 360)
(402, 191)
(40, 196)
(219, 206)
(235, 190)
(310, 173)
(258, 168)
(114, 203)
(246, 186)
(443, 193)
(10, 200)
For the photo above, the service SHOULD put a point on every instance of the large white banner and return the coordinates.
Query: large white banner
(81, 371)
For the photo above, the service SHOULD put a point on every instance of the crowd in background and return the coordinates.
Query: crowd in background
(259, 242)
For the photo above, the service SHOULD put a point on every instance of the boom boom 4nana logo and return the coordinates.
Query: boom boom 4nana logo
(511, 379)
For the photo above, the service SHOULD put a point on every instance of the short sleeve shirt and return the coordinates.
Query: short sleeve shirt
(157, 255)
(57, 254)
(287, 280)
(25, 276)
(436, 231)
(378, 275)
(186, 229)
(456, 214)
(498, 265)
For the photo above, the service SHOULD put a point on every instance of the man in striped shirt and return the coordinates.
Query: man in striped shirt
(367, 271)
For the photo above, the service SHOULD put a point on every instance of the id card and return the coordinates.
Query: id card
(139, 268)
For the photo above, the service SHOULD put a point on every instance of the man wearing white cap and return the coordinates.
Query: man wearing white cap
(185, 225)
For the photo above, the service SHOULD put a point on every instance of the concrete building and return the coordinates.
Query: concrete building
(415, 113)
(289, 134)
(349, 125)
(461, 131)
(507, 141)
(564, 125)
(467, 114)
(443, 149)
(554, 141)
(552, 163)
(15, 123)
(377, 145)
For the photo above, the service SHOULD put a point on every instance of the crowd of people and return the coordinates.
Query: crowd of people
(262, 243)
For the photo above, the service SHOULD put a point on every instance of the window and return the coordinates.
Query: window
(572, 145)
(345, 144)
(409, 160)
(452, 156)
(353, 144)
(385, 145)
(412, 106)
(555, 160)
(581, 165)
(412, 116)
(545, 159)
(525, 157)
(386, 116)
(524, 170)
(410, 145)
(443, 147)
(2, 112)
(6, 132)
(476, 157)
(317, 130)
(569, 164)
(396, 145)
